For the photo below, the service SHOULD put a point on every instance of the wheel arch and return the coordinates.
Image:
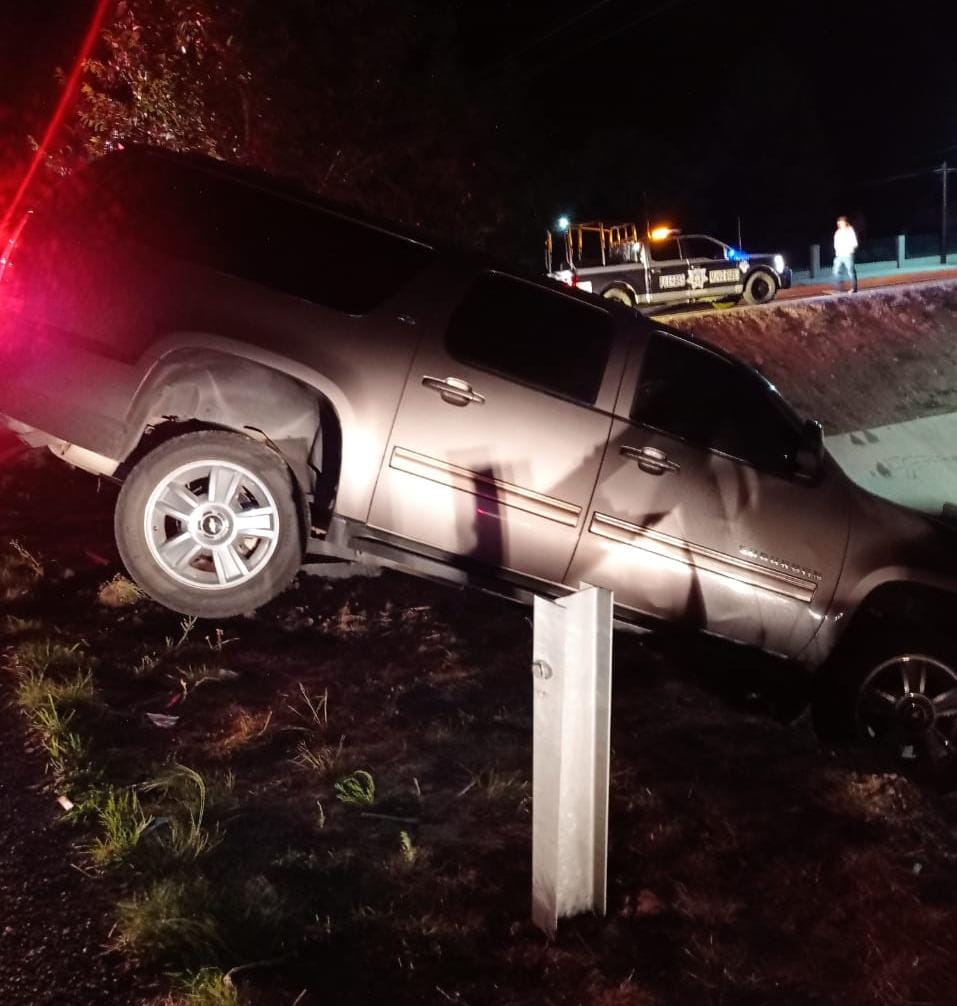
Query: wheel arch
(903, 604)
(625, 287)
(191, 389)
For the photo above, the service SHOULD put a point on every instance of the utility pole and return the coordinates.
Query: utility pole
(740, 245)
(944, 170)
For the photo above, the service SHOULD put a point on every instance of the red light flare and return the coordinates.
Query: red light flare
(69, 90)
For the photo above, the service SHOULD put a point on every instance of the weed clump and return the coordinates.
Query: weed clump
(208, 987)
(122, 822)
(20, 571)
(171, 921)
(119, 592)
(356, 790)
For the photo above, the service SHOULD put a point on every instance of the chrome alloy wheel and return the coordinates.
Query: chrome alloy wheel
(908, 705)
(211, 524)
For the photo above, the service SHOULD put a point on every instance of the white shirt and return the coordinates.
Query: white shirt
(845, 241)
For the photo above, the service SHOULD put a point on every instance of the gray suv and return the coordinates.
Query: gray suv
(269, 377)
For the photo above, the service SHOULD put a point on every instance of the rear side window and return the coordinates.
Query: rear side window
(666, 250)
(698, 396)
(533, 336)
(264, 237)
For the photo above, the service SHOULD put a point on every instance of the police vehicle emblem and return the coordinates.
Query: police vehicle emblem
(697, 278)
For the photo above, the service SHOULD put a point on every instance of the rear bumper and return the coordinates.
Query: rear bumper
(79, 457)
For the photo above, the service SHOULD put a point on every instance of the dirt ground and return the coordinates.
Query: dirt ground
(748, 864)
(54, 940)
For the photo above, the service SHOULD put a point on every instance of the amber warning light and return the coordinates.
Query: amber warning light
(660, 233)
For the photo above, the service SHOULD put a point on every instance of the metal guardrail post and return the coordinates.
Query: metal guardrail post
(815, 268)
(901, 250)
(571, 669)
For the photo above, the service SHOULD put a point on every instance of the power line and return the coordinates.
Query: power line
(921, 173)
(623, 29)
(557, 29)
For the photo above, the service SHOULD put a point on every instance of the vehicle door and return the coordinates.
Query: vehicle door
(501, 429)
(710, 272)
(699, 516)
(667, 272)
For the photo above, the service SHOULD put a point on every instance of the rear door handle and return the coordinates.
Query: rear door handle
(453, 390)
(650, 459)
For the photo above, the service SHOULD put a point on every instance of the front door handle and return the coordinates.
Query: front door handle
(650, 459)
(453, 390)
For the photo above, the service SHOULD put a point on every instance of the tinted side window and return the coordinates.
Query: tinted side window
(533, 336)
(267, 238)
(701, 248)
(689, 392)
(664, 251)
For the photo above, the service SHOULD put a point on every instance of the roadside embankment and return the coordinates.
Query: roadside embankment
(853, 362)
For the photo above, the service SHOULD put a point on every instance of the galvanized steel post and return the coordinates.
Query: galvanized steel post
(571, 670)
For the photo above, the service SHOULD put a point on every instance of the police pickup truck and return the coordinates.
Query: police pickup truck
(662, 269)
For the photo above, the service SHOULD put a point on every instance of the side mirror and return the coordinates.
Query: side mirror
(810, 453)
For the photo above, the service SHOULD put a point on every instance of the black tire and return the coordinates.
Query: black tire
(620, 295)
(196, 559)
(759, 288)
(890, 694)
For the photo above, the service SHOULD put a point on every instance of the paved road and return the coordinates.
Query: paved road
(912, 463)
(870, 283)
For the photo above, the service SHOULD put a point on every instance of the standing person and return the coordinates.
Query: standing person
(845, 244)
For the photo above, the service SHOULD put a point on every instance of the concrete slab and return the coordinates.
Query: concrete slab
(912, 463)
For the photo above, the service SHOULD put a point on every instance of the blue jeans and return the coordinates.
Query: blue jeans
(842, 264)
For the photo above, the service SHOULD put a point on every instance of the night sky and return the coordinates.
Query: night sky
(690, 111)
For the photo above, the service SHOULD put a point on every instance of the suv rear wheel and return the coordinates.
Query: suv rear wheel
(208, 524)
(619, 294)
(898, 696)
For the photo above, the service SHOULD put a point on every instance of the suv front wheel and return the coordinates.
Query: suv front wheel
(899, 697)
(208, 524)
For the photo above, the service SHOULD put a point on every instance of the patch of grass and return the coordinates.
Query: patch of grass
(208, 987)
(322, 761)
(186, 626)
(16, 626)
(407, 849)
(498, 787)
(51, 704)
(122, 822)
(20, 571)
(246, 728)
(314, 710)
(48, 656)
(146, 665)
(119, 592)
(356, 790)
(172, 924)
(192, 676)
(35, 691)
(185, 804)
(66, 750)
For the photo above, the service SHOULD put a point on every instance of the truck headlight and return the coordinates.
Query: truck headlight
(779, 263)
